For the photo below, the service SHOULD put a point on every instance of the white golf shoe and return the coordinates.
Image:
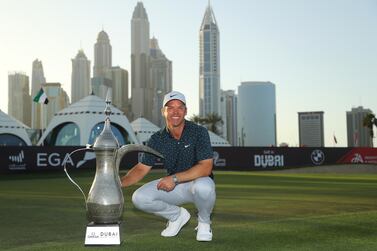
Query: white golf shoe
(173, 227)
(204, 232)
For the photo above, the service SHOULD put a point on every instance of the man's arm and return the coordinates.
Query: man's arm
(202, 169)
(135, 174)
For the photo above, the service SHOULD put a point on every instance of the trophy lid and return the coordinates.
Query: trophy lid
(106, 140)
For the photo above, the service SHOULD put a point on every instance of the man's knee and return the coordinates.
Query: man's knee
(205, 190)
(141, 200)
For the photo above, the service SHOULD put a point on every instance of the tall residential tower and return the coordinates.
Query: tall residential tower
(357, 134)
(80, 82)
(37, 79)
(102, 55)
(209, 65)
(141, 89)
(161, 77)
(19, 98)
(256, 114)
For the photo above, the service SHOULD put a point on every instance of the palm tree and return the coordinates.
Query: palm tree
(213, 122)
(370, 120)
(197, 119)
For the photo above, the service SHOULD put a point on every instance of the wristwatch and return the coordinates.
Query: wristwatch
(175, 179)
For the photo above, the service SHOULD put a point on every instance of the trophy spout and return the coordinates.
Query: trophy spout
(132, 148)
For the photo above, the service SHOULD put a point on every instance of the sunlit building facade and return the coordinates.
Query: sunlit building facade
(80, 81)
(19, 99)
(141, 89)
(161, 79)
(57, 100)
(256, 114)
(357, 134)
(102, 55)
(37, 79)
(209, 65)
(119, 82)
(311, 129)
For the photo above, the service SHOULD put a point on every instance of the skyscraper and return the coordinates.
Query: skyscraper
(311, 129)
(80, 81)
(161, 77)
(37, 79)
(256, 114)
(209, 65)
(102, 55)
(119, 83)
(141, 89)
(19, 98)
(228, 103)
(357, 134)
(57, 100)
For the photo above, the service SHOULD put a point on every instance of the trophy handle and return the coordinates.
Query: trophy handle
(69, 177)
(132, 148)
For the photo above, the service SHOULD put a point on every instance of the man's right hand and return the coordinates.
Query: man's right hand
(135, 174)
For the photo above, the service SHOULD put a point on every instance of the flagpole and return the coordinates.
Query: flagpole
(41, 104)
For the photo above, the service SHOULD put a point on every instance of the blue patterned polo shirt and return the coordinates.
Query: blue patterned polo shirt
(180, 155)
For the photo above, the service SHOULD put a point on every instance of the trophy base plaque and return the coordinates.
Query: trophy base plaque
(102, 234)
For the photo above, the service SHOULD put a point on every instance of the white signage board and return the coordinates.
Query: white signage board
(102, 235)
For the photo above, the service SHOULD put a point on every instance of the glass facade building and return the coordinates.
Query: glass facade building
(209, 65)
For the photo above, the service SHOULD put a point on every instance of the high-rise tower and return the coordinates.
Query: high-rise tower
(18, 97)
(102, 55)
(311, 129)
(37, 79)
(141, 89)
(209, 65)
(57, 100)
(357, 134)
(161, 77)
(119, 83)
(80, 82)
(256, 114)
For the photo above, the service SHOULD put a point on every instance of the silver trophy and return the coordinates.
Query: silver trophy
(104, 205)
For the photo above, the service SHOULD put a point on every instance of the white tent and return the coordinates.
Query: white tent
(143, 129)
(80, 124)
(12, 130)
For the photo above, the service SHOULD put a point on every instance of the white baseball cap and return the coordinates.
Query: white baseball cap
(174, 95)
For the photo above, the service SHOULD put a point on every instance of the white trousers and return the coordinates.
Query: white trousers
(200, 191)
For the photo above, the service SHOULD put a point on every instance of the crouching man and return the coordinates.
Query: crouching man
(188, 156)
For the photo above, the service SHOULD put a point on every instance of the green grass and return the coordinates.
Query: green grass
(254, 211)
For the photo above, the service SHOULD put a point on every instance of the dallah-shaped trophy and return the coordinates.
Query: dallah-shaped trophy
(105, 201)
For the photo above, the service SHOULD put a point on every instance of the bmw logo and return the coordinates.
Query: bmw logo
(317, 157)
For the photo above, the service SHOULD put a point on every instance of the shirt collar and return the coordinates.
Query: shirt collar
(167, 132)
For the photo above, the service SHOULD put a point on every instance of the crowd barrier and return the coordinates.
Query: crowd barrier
(35, 158)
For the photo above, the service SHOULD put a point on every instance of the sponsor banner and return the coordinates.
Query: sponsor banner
(360, 155)
(36, 158)
(271, 158)
(42, 158)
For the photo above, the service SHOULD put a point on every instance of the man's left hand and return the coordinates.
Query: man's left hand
(167, 184)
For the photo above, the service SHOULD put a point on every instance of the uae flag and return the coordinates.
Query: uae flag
(41, 97)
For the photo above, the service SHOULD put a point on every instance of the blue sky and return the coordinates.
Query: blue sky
(321, 54)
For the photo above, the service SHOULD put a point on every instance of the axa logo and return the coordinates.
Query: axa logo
(18, 158)
(357, 158)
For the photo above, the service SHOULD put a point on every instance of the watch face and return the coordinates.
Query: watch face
(175, 179)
